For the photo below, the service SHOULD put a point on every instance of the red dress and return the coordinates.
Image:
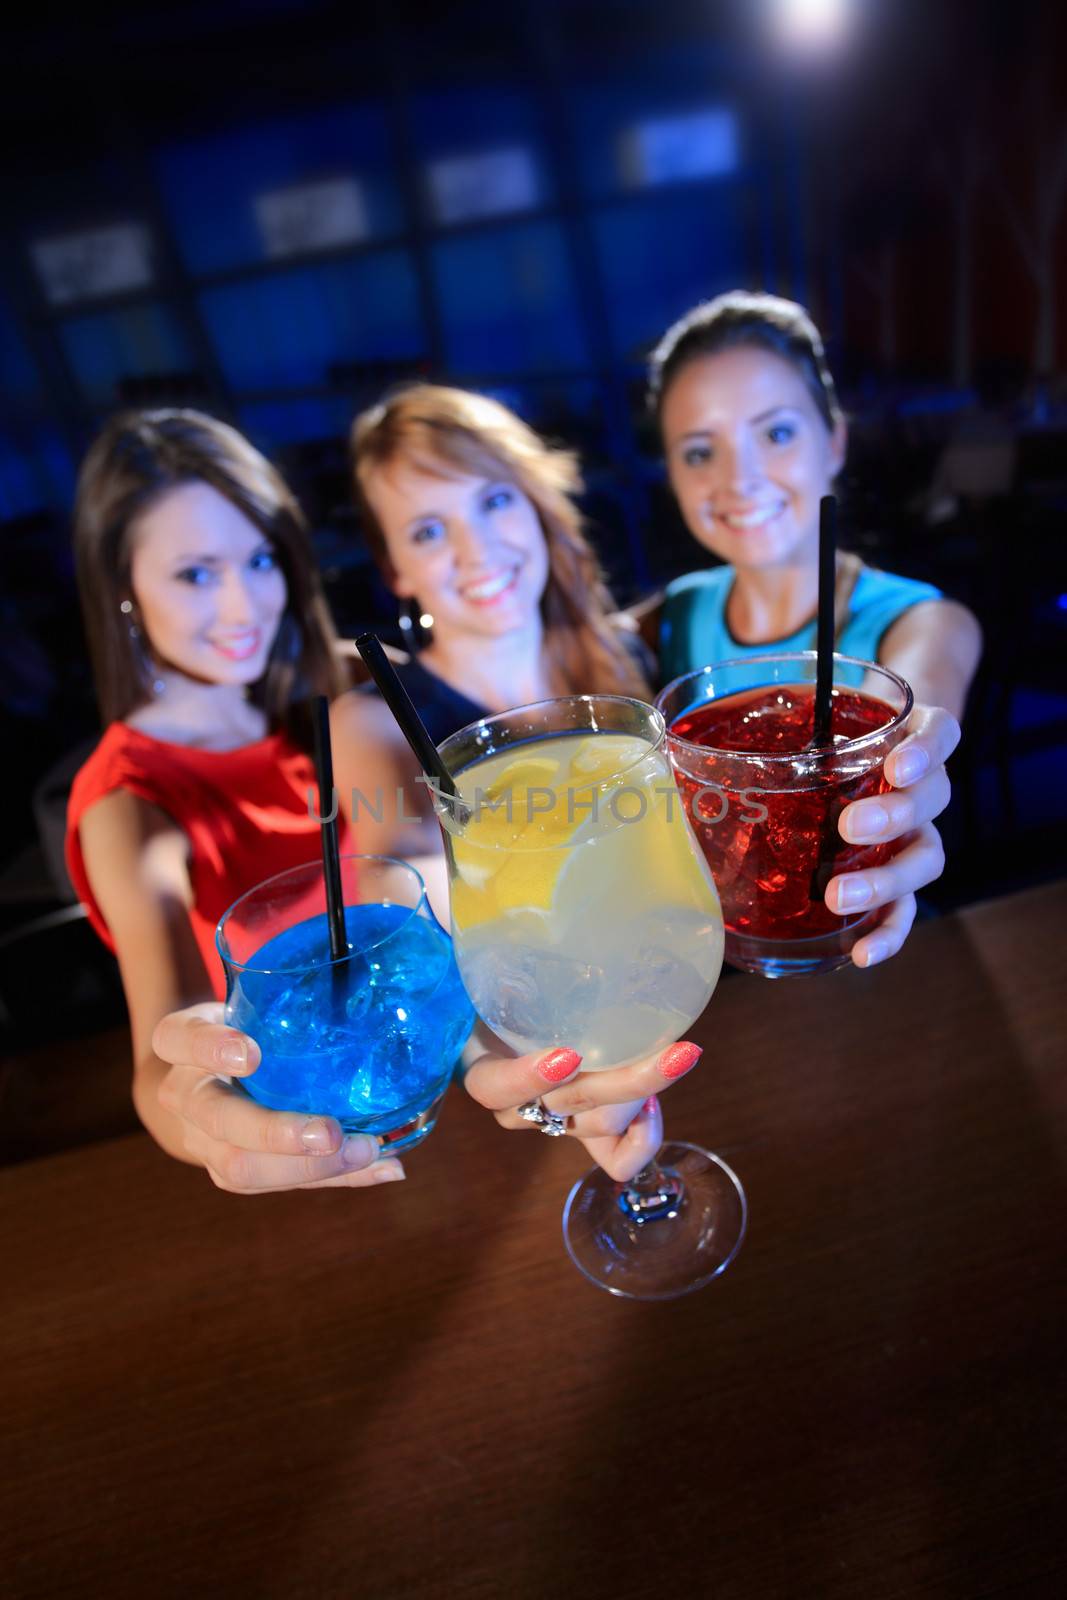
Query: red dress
(245, 814)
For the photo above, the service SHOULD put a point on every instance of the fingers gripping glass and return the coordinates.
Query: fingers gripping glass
(766, 794)
(370, 1039)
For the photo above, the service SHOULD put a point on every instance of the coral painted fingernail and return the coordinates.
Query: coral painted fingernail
(649, 1107)
(559, 1064)
(679, 1059)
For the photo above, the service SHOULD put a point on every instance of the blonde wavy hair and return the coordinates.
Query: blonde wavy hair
(445, 431)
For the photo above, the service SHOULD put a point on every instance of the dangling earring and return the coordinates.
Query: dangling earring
(148, 670)
(407, 625)
(412, 631)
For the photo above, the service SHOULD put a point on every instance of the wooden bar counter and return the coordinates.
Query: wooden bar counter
(410, 1392)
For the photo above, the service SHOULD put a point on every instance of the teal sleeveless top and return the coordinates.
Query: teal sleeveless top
(694, 631)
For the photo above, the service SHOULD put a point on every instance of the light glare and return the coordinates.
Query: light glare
(810, 25)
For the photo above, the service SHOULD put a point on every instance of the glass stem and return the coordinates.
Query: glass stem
(654, 1194)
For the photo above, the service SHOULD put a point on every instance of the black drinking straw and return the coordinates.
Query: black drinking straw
(822, 733)
(331, 858)
(408, 720)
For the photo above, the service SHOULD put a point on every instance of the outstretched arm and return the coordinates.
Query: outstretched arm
(183, 1056)
(936, 647)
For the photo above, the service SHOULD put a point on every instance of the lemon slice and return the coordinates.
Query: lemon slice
(505, 859)
(555, 863)
(600, 758)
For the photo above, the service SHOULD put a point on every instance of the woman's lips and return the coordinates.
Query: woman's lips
(491, 590)
(750, 520)
(241, 646)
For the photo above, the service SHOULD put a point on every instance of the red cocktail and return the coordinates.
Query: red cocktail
(765, 801)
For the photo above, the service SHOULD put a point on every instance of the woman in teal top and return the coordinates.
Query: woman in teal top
(694, 629)
(754, 437)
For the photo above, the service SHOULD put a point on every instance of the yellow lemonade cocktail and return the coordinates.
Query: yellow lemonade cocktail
(583, 911)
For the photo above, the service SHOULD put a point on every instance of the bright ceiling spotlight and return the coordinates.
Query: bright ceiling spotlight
(810, 26)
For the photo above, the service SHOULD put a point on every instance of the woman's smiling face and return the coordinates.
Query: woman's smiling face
(749, 456)
(207, 585)
(470, 550)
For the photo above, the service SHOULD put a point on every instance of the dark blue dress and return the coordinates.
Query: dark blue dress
(443, 709)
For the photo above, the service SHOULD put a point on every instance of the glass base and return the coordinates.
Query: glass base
(657, 1240)
(402, 1136)
(407, 1134)
(796, 958)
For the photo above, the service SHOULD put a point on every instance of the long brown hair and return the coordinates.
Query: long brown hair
(138, 457)
(442, 430)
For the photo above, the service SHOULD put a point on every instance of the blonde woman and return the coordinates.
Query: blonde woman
(471, 515)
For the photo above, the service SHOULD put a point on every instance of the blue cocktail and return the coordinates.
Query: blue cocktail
(370, 1039)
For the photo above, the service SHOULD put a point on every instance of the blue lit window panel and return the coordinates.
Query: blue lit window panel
(508, 302)
(497, 128)
(702, 143)
(136, 342)
(301, 329)
(329, 214)
(672, 85)
(273, 424)
(93, 263)
(648, 285)
(484, 183)
(210, 185)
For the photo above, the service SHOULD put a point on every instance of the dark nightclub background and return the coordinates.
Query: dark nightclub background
(272, 211)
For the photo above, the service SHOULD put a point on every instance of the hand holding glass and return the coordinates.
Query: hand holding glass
(766, 798)
(370, 1039)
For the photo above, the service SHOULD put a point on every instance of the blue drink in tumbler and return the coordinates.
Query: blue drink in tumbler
(370, 1039)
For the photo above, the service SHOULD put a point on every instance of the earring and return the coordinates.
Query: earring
(412, 631)
(148, 669)
(407, 625)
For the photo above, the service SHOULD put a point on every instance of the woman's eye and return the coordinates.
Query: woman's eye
(195, 575)
(696, 455)
(781, 432)
(498, 499)
(263, 561)
(429, 533)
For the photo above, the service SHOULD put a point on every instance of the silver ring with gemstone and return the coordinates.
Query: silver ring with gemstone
(549, 1122)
